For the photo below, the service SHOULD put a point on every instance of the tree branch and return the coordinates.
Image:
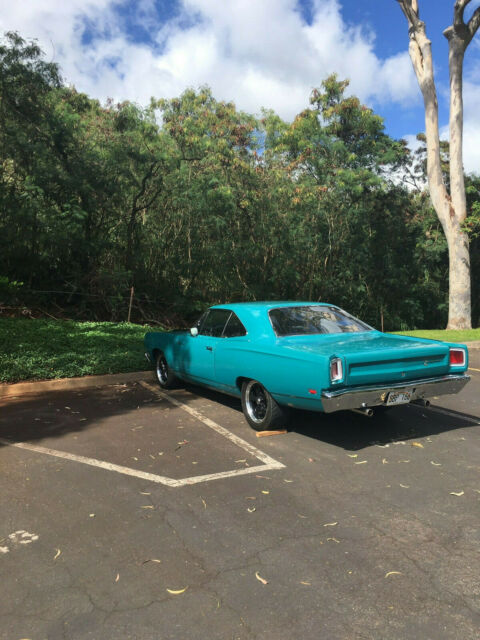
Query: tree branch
(410, 9)
(458, 9)
(474, 22)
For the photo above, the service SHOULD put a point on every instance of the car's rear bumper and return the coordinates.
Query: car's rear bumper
(374, 395)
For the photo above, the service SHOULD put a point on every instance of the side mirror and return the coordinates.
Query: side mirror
(194, 331)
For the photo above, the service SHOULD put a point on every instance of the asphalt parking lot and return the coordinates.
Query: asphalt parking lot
(127, 513)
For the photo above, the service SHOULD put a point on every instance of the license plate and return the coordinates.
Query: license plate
(398, 397)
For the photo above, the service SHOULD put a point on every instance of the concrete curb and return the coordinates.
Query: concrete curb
(473, 345)
(68, 384)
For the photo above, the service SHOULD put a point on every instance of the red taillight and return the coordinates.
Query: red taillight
(457, 357)
(336, 370)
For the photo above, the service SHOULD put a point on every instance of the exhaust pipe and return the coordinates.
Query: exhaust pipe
(422, 402)
(366, 411)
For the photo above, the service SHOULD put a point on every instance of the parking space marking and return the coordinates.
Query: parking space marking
(266, 459)
(269, 463)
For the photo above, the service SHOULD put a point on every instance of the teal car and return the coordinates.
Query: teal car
(305, 355)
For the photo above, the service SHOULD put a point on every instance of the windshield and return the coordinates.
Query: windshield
(310, 320)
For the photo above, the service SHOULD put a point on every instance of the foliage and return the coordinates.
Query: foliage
(193, 202)
(42, 349)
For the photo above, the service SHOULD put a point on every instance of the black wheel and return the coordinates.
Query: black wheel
(165, 377)
(259, 408)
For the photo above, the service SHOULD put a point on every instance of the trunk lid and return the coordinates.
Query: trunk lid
(373, 357)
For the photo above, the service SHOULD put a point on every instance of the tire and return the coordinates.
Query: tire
(165, 376)
(261, 411)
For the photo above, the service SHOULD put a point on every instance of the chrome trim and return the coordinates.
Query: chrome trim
(147, 356)
(374, 395)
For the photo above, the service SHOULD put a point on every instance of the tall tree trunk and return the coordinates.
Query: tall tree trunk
(450, 209)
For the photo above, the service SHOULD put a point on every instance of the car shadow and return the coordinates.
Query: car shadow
(352, 431)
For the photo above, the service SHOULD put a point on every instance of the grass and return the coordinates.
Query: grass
(44, 349)
(448, 335)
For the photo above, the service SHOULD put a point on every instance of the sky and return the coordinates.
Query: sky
(257, 53)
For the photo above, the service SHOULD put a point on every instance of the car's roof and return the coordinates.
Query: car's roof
(268, 304)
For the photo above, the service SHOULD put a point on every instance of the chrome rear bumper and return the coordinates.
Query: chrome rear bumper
(374, 395)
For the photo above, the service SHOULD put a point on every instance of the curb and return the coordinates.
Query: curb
(68, 384)
(473, 345)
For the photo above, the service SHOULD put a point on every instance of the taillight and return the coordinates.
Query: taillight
(336, 370)
(457, 357)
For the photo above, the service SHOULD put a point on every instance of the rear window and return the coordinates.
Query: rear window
(310, 320)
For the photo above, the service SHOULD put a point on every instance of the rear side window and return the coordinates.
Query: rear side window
(214, 323)
(234, 327)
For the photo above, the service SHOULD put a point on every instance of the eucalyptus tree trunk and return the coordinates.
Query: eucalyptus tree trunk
(450, 207)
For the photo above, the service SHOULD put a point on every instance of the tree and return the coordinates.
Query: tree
(450, 207)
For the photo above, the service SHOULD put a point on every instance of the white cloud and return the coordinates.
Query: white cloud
(256, 53)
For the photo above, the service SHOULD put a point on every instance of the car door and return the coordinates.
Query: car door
(201, 366)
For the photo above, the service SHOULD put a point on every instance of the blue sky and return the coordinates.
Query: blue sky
(259, 53)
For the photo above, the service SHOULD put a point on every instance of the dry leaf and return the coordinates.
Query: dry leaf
(405, 486)
(361, 462)
(334, 540)
(146, 506)
(435, 464)
(117, 578)
(417, 444)
(151, 560)
(330, 524)
(287, 480)
(393, 573)
(145, 493)
(204, 504)
(310, 459)
(455, 493)
(177, 592)
(92, 515)
(306, 583)
(265, 492)
(251, 509)
(57, 554)
(243, 460)
(262, 580)
(352, 455)
(384, 461)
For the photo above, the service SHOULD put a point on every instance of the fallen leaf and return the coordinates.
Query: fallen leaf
(352, 455)
(146, 506)
(455, 493)
(262, 580)
(287, 480)
(330, 524)
(176, 592)
(250, 498)
(145, 493)
(306, 583)
(266, 492)
(404, 461)
(57, 554)
(151, 560)
(417, 444)
(393, 573)
(251, 509)
(117, 578)
(310, 459)
(334, 540)
(243, 460)
(435, 464)
(384, 461)
(405, 486)
(204, 504)
(92, 515)
(300, 515)
(361, 462)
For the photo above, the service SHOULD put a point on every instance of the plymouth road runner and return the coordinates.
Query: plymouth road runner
(307, 355)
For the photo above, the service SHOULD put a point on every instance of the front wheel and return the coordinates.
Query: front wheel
(261, 411)
(165, 376)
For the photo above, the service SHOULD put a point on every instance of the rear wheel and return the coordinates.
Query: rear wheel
(261, 411)
(165, 376)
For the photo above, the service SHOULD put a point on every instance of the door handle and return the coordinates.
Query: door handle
(209, 348)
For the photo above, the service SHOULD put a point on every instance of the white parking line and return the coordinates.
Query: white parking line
(269, 463)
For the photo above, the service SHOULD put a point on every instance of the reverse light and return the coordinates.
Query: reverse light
(336, 370)
(457, 357)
